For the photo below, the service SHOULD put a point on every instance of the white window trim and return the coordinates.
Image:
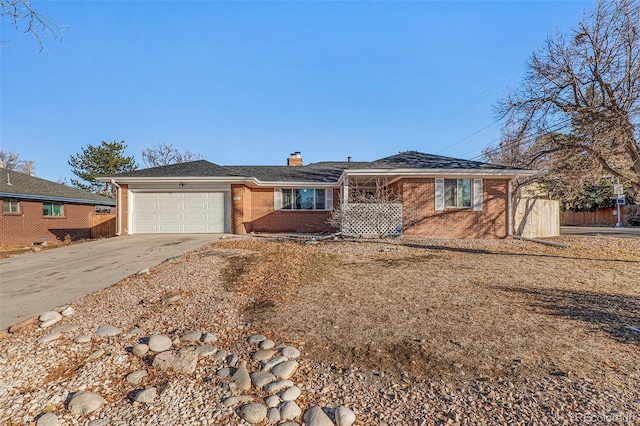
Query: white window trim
(477, 188)
(439, 198)
(9, 202)
(476, 194)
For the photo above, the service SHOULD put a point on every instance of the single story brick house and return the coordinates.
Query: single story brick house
(441, 196)
(36, 211)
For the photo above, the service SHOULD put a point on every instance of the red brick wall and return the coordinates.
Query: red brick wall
(254, 212)
(30, 226)
(240, 209)
(124, 210)
(421, 218)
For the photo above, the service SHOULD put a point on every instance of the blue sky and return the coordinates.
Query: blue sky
(251, 82)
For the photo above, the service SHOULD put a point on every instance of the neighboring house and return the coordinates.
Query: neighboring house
(36, 211)
(441, 196)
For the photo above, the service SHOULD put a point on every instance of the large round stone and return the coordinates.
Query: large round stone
(344, 416)
(316, 417)
(146, 396)
(136, 377)
(140, 349)
(194, 336)
(50, 315)
(159, 343)
(85, 403)
(289, 410)
(48, 419)
(262, 378)
(290, 352)
(253, 413)
(256, 338)
(291, 394)
(108, 330)
(285, 369)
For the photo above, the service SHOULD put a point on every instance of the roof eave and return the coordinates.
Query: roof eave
(53, 198)
(251, 181)
(172, 179)
(441, 172)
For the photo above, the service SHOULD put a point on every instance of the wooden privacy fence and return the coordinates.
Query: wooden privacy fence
(103, 225)
(536, 217)
(601, 216)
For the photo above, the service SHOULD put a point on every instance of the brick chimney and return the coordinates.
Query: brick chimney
(295, 159)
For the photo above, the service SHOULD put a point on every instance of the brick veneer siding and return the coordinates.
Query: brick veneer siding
(241, 197)
(254, 212)
(124, 210)
(421, 218)
(31, 226)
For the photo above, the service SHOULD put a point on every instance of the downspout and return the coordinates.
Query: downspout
(119, 208)
(510, 205)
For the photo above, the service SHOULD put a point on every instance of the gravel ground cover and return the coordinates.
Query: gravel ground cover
(403, 332)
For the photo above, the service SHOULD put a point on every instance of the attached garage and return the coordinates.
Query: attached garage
(165, 212)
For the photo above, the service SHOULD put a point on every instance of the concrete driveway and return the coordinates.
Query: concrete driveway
(33, 283)
(605, 231)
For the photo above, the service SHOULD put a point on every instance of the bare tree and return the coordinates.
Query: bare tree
(12, 161)
(164, 154)
(371, 210)
(577, 111)
(25, 19)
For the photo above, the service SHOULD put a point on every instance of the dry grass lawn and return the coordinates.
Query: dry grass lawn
(452, 310)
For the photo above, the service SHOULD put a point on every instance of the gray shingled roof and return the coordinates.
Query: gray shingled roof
(20, 185)
(325, 171)
(418, 160)
(190, 169)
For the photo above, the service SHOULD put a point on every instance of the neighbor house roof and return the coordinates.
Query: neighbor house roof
(21, 185)
(321, 172)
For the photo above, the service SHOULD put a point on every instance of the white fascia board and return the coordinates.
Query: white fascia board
(279, 184)
(251, 181)
(174, 179)
(488, 173)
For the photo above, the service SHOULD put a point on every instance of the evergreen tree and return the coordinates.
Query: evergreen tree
(105, 159)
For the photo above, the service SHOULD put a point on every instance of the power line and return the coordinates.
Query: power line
(492, 88)
(467, 137)
(520, 141)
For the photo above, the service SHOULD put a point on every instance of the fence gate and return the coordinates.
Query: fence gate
(372, 220)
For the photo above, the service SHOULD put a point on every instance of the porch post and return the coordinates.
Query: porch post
(345, 191)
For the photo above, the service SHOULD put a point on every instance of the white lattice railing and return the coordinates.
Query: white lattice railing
(372, 220)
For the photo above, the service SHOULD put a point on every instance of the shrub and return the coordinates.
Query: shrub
(633, 215)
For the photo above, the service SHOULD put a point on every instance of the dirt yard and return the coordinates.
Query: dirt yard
(403, 332)
(453, 310)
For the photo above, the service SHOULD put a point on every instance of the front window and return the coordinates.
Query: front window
(52, 209)
(303, 199)
(11, 206)
(457, 193)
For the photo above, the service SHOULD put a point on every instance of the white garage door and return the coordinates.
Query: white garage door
(180, 212)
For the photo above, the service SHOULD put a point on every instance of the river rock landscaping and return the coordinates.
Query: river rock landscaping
(402, 332)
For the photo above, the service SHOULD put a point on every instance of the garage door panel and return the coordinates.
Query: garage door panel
(170, 217)
(197, 217)
(167, 196)
(146, 229)
(196, 205)
(196, 228)
(144, 217)
(147, 205)
(175, 212)
(170, 229)
(170, 205)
